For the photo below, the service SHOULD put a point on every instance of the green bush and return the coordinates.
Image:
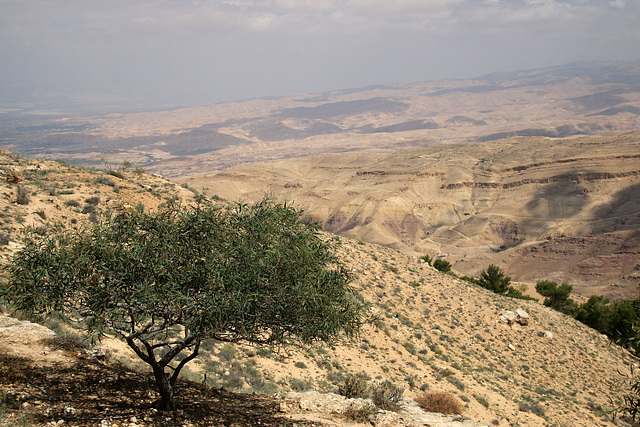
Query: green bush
(482, 400)
(624, 323)
(228, 352)
(534, 408)
(557, 297)
(629, 404)
(596, 313)
(515, 293)
(494, 279)
(442, 265)
(428, 259)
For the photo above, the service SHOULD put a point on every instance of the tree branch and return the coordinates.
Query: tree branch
(179, 346)
(148, 358)
(183, 362)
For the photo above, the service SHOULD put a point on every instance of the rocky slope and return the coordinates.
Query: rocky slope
(541, 208)
(433, 333)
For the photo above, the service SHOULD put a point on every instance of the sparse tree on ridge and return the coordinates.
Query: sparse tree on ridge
(442, 265)
(167, 280)
(557, 297)
(494, 279)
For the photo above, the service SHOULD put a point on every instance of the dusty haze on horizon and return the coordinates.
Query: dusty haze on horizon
(73, 53)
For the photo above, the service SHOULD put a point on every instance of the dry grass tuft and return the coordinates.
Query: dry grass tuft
(441, 402)
(362, 414)
(13, 369)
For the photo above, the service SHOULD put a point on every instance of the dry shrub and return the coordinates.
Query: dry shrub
(441, 402)
(354, 386)
(387, 395)
(22, 197)
(362, 414)
(13, 369)
(66, 342)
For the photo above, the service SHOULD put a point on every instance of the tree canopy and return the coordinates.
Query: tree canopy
(494, 279)
(557, 296)
(166, 280)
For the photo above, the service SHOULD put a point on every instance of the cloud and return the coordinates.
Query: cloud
(202, 50)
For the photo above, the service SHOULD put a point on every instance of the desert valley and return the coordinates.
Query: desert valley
(537, 172)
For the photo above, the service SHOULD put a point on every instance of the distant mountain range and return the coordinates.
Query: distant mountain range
(575, 99)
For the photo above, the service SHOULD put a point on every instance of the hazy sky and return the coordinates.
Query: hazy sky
(190, 52)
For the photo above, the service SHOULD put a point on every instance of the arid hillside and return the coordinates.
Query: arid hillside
(432, 332)
(563, 209)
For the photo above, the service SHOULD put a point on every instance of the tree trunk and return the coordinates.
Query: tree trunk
(166, 390)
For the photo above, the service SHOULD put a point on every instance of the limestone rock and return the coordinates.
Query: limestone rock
(518, 317)
(522, 317)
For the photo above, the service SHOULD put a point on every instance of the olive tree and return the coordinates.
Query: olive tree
(166, 280)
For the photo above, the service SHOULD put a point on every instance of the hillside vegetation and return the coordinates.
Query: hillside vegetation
(433, 333)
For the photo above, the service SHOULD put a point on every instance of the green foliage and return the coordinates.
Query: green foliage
(515, 293)
(482, 400)
(596, 313)
(624, 323)
(534, 408)
(442, 265)
(619, 320)
(166, 280)
(428, 259)
(557, 297)
(629, 403)
(494, 279)
(228, 352)
(116, 174)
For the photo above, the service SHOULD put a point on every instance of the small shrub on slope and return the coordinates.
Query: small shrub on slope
(494, 279)
(441, 402)
(442, 265)
(387, 395)
(354, 386)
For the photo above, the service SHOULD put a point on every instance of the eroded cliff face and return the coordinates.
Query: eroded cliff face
(541, 208)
